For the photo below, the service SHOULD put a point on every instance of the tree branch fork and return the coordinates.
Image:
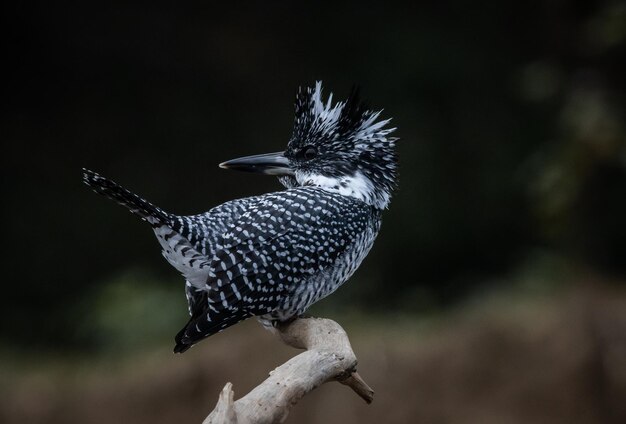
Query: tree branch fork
(328, 357)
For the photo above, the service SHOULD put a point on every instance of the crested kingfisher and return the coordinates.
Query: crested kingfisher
(274, 255)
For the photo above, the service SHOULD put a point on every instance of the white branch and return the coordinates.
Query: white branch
(328, 357)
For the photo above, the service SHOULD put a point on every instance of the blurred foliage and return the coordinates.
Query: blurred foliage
(132, 311)
(511, 119)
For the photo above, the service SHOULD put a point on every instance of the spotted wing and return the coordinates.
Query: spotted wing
(189, 241)
(278, 243)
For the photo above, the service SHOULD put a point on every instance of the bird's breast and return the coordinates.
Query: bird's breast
(321, 284)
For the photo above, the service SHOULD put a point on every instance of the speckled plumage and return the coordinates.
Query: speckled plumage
(274, 255)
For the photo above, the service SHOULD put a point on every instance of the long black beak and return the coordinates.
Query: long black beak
(269, 164)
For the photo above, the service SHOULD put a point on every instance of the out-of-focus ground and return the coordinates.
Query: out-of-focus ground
(551, 358)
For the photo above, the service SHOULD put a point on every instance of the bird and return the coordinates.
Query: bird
(273, 255)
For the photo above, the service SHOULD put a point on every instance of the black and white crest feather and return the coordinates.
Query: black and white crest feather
(354, 146)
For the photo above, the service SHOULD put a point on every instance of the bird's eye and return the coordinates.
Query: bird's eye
(309, 152)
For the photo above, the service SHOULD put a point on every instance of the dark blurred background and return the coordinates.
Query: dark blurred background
(513, 185)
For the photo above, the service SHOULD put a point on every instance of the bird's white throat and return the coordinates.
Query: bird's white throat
(357, 186)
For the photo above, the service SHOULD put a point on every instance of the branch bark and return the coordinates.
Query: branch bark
(328, 357)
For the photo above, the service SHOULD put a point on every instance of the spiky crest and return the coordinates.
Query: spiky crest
(356, 155)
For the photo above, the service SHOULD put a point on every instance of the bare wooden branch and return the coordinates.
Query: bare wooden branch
(328, 357)
(360, 387)
(224, 411)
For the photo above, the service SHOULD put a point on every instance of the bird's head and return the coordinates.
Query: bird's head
(341, 147)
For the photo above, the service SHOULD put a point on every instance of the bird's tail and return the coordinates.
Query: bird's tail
(144, 209)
